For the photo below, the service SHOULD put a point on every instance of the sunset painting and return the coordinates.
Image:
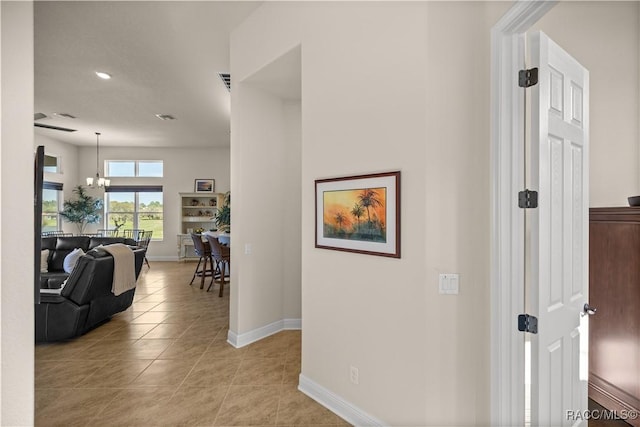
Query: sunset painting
(359, 214)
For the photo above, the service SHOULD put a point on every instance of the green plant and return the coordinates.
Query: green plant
(223, 214)
(84, 210)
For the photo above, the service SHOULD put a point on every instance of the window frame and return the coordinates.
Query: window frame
(58, 188)
(136, 190)
(136, 168)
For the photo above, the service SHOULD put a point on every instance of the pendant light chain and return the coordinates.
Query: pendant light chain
(98, 182)
(97, 154)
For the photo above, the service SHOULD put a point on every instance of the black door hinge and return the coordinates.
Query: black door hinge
(528, 78)
(528, 199)
(528, 323)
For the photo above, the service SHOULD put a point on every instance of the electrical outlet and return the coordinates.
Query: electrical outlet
(354, 375)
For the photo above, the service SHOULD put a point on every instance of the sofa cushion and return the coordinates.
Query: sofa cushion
(64, 246)
(49, 242)
(44, 260)
(97, 241)
(71, 260)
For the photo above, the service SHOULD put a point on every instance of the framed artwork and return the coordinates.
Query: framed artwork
(204, 186)
(359, 214)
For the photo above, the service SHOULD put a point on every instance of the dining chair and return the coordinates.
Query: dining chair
(203, 250)
(112, 232)
(143, 239)
(133, 233)
(222, 257)
(55, 234)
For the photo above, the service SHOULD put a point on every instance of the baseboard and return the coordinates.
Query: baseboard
(337, 404)
(241, 340)
(292, 324)
(613, 399)
(162, 258)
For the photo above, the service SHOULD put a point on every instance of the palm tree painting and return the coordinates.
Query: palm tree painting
(356, 214)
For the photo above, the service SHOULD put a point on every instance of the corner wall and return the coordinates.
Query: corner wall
(266, 163)
(16, 215)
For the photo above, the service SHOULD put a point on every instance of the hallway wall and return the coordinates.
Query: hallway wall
(385, 86)
(16, 214)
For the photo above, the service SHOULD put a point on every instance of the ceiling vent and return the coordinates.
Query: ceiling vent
(41, 125)
(226, 79)
(65, 115)
(165, 117)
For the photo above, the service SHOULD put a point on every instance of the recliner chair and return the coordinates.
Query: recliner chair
(85, 301)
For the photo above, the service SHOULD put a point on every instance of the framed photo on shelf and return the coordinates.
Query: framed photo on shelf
(204, 186)
(359, 214)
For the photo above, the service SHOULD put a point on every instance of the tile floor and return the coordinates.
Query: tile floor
(165, 362)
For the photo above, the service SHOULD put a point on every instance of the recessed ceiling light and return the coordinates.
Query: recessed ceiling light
(103, 75)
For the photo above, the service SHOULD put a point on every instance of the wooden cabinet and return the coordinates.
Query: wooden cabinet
(614, 289)
(197, 211)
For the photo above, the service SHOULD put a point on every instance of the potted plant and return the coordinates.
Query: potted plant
(84, 210)
(223, 214)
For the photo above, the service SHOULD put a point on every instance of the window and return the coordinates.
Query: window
(51, 163)
(135, 207)
(51, 192)
(135, 168)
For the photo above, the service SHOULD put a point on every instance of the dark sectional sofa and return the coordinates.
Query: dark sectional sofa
(86, 300)
(60, 247)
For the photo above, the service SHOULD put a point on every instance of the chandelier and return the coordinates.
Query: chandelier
(98, 182)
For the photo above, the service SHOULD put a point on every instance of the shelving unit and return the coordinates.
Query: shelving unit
(197, 210)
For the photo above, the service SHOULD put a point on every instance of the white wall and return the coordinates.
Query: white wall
(384, 87)
(16, 215)
(181, 167)
(604, 36)
(266, 210)
(291, 220)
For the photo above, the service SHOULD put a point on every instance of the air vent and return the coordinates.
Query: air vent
(165, 117)
(65, 115)
(40, 125)
(226, 79)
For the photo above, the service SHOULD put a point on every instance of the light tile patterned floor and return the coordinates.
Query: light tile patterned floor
(165, 362)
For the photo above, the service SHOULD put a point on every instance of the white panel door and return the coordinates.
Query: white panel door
(559, 235)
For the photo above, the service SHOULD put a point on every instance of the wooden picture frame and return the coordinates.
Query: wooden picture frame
(359, 214)
(204, 186)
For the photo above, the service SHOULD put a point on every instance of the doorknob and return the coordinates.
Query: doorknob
(588, 309)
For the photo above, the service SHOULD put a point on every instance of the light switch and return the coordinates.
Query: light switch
(248, 248)
(449, 284)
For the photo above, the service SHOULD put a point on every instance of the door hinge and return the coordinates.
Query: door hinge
(528, 78)
(528, 199)
(528, 323)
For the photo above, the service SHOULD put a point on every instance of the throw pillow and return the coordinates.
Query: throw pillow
(44, 266)
(71, 260)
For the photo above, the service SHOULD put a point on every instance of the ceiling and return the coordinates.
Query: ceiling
(164, 58)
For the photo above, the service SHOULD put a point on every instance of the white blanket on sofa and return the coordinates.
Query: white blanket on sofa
(124, 270)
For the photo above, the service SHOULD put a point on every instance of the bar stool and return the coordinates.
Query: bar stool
(204, 251)
(222, 256)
